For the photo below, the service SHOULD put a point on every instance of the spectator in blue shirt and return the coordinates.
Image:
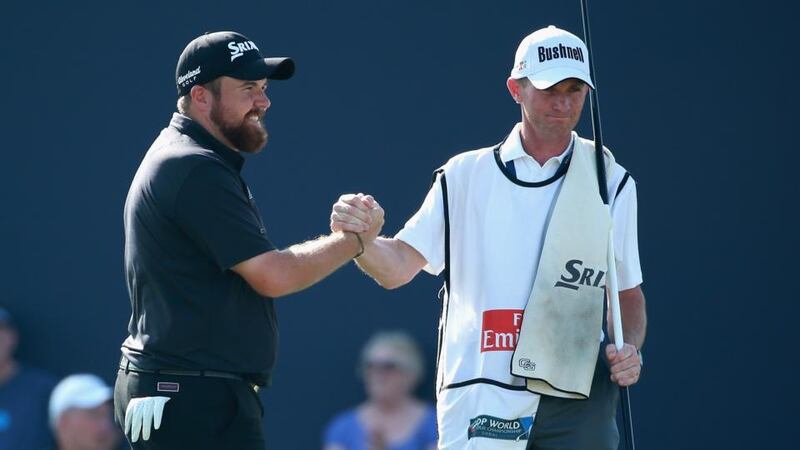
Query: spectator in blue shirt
(390, 418)
(24, 392)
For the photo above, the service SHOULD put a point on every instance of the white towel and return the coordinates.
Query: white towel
(560, 333)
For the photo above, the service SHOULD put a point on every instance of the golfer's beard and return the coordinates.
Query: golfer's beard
(246, 135)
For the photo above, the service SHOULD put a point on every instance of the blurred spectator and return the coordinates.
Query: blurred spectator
(23, 396)
(390, 418)
(81, 414)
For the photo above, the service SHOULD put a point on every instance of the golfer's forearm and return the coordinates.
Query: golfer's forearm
(390, 262)
(308, 263)
(280, 272)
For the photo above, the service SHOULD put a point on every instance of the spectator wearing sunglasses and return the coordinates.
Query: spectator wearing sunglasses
(390, 418)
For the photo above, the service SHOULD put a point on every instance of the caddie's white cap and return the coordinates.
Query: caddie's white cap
(84, 391)
(550, 55)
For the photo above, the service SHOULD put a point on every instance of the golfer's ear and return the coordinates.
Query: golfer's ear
(200, 96)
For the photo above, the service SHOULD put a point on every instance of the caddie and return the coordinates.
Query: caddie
(519, 232)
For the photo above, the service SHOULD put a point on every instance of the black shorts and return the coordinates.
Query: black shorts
(204, 413)
(566, 424)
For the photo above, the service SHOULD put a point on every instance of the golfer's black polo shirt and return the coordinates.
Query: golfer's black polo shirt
(189, 218)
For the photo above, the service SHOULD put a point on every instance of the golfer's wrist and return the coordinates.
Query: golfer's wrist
(360, 243)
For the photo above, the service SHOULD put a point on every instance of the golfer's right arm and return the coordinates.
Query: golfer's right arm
(282, 272)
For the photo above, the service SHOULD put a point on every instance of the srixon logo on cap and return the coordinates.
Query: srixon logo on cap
(578, 275)
(560, 51)
(238, 48)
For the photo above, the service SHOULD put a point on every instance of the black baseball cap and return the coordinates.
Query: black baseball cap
(226, 53)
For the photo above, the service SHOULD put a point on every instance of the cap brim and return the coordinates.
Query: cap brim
(546, 78)
(271, 68)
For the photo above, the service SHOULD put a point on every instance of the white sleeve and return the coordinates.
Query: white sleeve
(626, 237)
(425, 230)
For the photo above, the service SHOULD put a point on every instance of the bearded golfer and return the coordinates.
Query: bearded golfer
(520, 234)
(201, 271)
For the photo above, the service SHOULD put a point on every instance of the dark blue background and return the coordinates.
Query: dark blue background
(697, 102)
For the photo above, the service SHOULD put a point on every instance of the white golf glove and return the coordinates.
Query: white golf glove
(144, 414)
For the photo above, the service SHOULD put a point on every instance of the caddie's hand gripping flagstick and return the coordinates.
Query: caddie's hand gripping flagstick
(613, 290)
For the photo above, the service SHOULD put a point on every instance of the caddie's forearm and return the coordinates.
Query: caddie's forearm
(385, 260)
(634, 316)
(308, 263)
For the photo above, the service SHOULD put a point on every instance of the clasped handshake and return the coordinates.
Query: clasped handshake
(358, 213)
